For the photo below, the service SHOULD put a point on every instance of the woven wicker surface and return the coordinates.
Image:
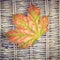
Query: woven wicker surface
(47, 47)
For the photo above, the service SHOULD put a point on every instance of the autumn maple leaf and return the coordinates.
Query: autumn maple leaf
(28, 28)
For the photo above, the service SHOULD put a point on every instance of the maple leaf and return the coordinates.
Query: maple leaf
(28, 28)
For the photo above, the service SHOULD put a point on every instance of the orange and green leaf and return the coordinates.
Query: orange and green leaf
(28, 28)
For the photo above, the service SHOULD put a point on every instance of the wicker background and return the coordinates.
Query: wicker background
(47, 47)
